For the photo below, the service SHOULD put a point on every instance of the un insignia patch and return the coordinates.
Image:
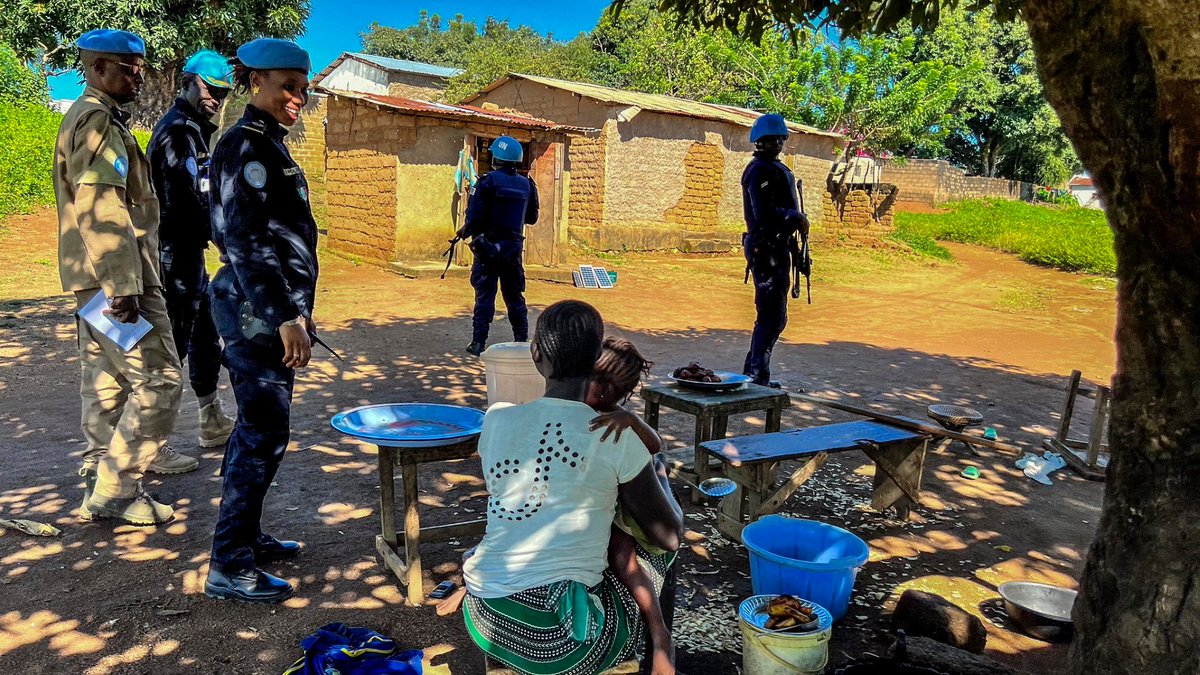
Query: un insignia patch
(255, 174)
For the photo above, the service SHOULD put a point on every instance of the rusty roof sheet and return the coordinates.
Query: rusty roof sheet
(656, 102)
(465, 112)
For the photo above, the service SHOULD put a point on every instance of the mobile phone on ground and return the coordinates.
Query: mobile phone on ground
(443, 589)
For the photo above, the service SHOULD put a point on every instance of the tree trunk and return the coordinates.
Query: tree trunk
(158, 93)
(1124, 77)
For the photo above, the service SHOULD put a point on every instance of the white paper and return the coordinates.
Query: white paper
(126, 335)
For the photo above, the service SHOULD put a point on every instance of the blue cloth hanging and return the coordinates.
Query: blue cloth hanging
(337, 649)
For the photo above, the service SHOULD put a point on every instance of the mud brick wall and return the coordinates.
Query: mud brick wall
(864, 219)
(585, 200)
(361, 158)
(306, 142)
(932, 182)
(703, 168)
(419, 88)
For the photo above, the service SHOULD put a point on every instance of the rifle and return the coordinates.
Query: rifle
(450, 253)
(802, 258)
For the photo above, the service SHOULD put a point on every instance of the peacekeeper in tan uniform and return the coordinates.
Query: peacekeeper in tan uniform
(108, 241)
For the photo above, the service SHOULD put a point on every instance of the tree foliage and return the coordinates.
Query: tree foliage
(485, 53)
(19, 85)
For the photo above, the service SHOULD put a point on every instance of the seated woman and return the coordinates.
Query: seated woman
(539, 596)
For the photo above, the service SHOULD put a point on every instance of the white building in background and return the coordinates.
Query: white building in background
(1084, 192)
(61, 105)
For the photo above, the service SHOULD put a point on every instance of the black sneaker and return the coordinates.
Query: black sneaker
(475, 348)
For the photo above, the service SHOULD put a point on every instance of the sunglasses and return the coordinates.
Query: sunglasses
(134, 69)
(216, 93)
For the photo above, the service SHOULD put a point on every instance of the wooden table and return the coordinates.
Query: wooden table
(712, 411)
(753, 461)
(408, 570)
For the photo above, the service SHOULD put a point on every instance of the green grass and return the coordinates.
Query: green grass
(1068, 238)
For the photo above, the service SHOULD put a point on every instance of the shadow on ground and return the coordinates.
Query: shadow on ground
(102, 599)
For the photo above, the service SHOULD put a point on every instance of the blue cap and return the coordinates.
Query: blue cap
(273, 54)
(211, 67)
(768, 125)
(507, 149)
(112, 42)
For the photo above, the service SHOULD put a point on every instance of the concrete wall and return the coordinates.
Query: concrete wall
(361, 160)
(932, 182)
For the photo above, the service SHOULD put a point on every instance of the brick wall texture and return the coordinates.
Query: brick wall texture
(306, 142)
(932, 182)
(361, 149)
(864, 219)
(585, 200)
(703, 168)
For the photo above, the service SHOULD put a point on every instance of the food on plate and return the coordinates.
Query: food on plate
(785, 612)
(694, 372)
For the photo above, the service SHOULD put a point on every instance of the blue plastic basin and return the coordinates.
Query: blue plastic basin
(804, 558)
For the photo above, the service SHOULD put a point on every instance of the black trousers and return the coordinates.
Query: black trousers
(770, 301)
(509, 274)
(185, 287)
(262, 386)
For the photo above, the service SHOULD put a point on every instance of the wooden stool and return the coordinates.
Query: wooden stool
(1088, 458)
(955, 418)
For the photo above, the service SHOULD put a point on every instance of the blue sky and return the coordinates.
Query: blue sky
(334, 25)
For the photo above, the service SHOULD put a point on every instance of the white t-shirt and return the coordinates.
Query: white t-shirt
(552, 494)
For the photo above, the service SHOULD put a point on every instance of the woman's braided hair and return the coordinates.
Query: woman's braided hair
(569, 334)
(621, 365)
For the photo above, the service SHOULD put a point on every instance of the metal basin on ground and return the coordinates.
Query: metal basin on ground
(1041, 610)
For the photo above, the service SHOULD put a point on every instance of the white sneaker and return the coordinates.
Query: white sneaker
(169, 461)
(215, 426)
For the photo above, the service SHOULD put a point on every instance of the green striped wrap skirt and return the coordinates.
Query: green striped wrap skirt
(564, 628)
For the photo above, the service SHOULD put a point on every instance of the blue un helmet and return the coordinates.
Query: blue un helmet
(768, 125)
(211, 67)
(507, 149)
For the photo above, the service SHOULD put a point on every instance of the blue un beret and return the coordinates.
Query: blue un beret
(272, 54)
(112, 42)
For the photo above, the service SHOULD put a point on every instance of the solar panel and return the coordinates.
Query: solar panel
(589, 276)
(602, 278)
(577, 279)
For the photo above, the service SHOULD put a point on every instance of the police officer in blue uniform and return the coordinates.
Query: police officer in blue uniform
(262, 304)
(501, 205)
(773, 221)
(178, 154)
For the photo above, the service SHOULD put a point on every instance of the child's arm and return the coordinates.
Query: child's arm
(621, 419)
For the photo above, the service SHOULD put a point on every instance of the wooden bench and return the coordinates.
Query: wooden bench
(753, 463)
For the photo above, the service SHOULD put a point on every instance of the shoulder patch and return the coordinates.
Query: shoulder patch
(191, 167)
(122, 166)
(255, 174)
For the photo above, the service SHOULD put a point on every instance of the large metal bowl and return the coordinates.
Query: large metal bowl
(1041, 610)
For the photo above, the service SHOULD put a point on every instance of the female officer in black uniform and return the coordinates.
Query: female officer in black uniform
(262, 303)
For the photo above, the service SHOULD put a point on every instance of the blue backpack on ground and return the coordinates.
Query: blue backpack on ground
(337, 649)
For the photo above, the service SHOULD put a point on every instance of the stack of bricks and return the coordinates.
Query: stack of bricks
(704, 168)
(863, 219)
(585, 205)
(361, 165)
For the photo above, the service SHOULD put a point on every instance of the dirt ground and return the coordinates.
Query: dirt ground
(885, 330)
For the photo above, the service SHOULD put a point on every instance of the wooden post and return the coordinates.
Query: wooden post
(412, 534)
(700, 459)
(1099, 422)
(387, 495)
(1064, 425)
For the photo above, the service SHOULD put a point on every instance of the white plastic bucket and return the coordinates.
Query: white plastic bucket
(512, 376)
(767, 653)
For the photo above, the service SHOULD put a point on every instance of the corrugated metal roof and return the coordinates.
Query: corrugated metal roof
(402, 66)
(655, 102)
(465, 112)
(393, 65)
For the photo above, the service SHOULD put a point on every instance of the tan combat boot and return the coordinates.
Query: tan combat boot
(215, 425)
(169, 461)
(139, 509)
